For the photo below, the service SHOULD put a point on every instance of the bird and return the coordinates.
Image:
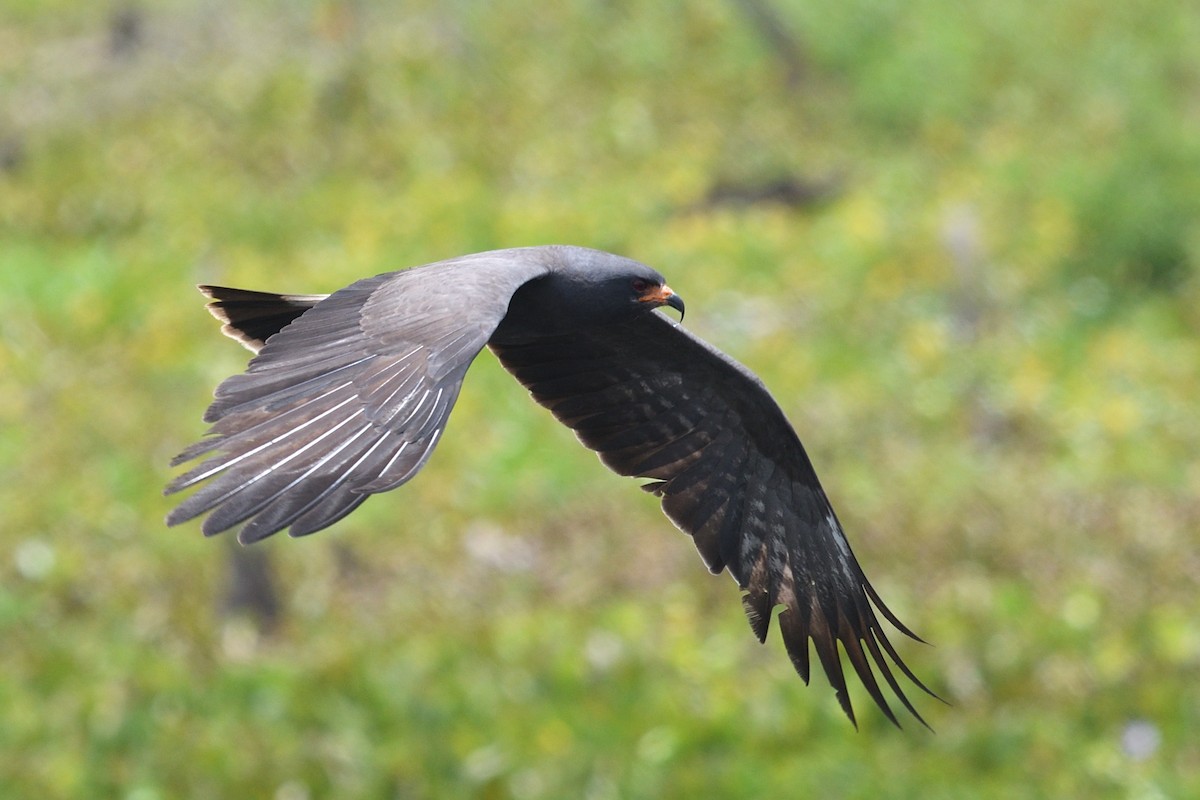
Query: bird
(349, 393)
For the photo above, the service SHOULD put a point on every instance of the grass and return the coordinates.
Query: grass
(984, 330)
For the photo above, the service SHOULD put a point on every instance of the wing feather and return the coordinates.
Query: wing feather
(346, 397)
(656, 402)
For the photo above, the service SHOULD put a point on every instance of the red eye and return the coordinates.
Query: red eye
(640, 285)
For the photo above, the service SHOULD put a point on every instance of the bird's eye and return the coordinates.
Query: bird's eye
(640, 285)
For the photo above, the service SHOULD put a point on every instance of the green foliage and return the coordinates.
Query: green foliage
(986, 333)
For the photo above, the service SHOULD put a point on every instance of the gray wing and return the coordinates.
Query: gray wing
(348, 399)
(656, 402)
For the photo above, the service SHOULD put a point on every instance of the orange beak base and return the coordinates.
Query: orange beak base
(663, 296)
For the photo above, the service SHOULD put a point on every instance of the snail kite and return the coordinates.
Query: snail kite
(349, 393)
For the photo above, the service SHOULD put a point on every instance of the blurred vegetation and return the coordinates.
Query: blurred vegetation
(959, 242)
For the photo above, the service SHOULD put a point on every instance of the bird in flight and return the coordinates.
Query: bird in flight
(349, 393)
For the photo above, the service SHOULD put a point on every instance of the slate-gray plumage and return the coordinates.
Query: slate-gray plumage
(349, 393)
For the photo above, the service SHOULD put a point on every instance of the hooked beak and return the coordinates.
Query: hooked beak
(663, 296)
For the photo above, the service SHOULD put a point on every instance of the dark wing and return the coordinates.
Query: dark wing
(656, 402)
(347, 400)
(253, 317)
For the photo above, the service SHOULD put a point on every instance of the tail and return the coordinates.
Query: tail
(253, 317)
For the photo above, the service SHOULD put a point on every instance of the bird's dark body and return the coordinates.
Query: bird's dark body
(349, 394)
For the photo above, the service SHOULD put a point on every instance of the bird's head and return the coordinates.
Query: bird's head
(585, 288)
(601, 287)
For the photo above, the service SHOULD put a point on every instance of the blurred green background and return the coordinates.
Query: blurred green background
(959, 241)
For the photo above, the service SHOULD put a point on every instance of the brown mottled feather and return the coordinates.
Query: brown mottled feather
(656, 402)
